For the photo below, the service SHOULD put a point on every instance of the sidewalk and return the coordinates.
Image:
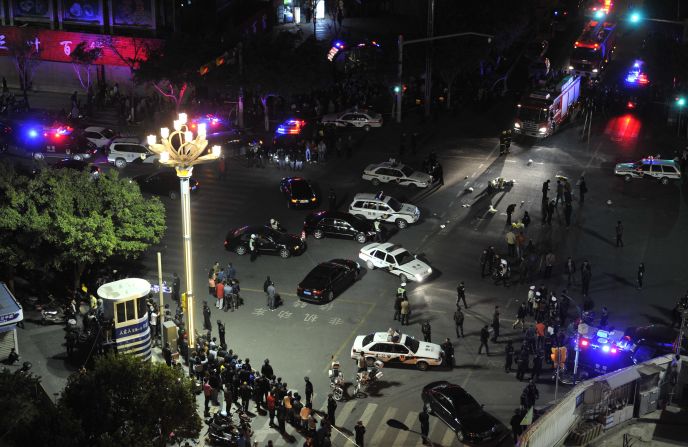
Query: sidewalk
(661, 428)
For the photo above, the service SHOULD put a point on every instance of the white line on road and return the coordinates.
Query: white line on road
(403, 434)
(382, 426)
(343, 417)
(448, 438)
(368, 413)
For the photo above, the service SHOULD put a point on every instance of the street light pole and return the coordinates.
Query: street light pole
(182, 150)
(428, 57)
(400, 65)
(580, 319)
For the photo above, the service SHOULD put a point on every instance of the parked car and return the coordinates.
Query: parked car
(327, 280)
(662, 170)
(396, 260)
(123, 151)
(364, 119)
(100, 136)
(268, 241)
(299, 192)
(337, 224)
(394, 172)
(163, 183)
(398, 348)
(78, 165)
(385, 208)
(64, 142)
(461, 413)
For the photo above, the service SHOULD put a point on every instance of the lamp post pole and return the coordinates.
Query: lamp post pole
(182, 150)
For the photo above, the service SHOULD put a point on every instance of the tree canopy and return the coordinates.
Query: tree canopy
(66, 219)
(123, 401)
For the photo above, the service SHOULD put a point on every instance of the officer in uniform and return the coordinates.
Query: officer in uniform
(426, 329)
(401, 290)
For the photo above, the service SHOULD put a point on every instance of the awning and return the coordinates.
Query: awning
(650, 369)
(619, 378)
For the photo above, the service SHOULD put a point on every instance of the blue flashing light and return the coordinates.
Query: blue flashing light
(635, 17)
(33, 133)
(605, 348)
(339, 44)
(599, 14)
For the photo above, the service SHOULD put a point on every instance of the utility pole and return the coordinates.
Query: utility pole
(428, 57)
(400, 65)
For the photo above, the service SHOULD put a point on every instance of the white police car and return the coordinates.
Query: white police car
(650, 167)
(396, 260)
(394, 172)
(385, 208)
(362, 118)
(396, 348)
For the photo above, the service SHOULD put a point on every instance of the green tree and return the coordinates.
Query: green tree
(83, 59)
(124, 401)
(30, 418)
(66, 219)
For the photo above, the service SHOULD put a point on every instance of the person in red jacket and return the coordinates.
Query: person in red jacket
(270, 400)
(220, 294)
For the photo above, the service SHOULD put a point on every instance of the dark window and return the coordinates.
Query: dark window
(342, 223)
(121, 316)
(380, 255)
(131, 309)
(656, 168)
(359, 204)
(395, 173)
(645, 168)
(367, 339)
(141, 306)
(328, 221)
(669, 169)
(400, 349)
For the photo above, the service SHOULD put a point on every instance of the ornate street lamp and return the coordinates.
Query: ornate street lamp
(182, 150)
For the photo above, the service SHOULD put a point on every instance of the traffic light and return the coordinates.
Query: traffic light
(680, 101)
(397, 89)
(558, 356)
(635, 17)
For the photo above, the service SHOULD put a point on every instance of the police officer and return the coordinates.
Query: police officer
(426, 329)
(448, 349)
(401, 290)
(252, 247)
(424, 419)
(377, 225)
(461, 295)
(397, 307)
(502, 143)
(458, 321)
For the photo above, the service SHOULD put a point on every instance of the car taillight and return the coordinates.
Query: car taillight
(584, 342)
(317, 292)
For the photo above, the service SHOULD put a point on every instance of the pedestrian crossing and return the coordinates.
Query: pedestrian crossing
(374, 417)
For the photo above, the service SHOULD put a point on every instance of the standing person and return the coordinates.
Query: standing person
(532, 394)
(586, 275)
(570, 269)
(520, 316)
(509, 351)
(331, 407)
(522, 362)
(332, 198)
(641, 275)
(230, 272)
(483, 263)
(525, 219)
(448, 350)
(377, 226)
(582, 189)
(176, 286)
(272, 292)
(537, 366)
(245, 393)
(154, 322)
(424, 419)
(458, 322)
(405, 310)
(167, 354)
(426, 329)
(360, 432)
(545, 188)
(515, 422)
(560, 192)
(206, 317)
(509, 211)
(484, 337)
(308, 390)
(510, 238)
(252, 247)
(207, 393)
(619, 234)
(495, 324)
(220, 294)
(461, 294)
(270, 403)
(550, 259)
(221, 331)
(397, 307)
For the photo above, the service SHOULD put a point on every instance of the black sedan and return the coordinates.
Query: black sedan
(462, 413)
(338, 224)
(299, 192)
(327, 280)
(268, 241)
(77, 165)
(163, 183)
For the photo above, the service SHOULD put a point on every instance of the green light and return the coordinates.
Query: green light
(397, 89)
(681, 101)
(635, 17)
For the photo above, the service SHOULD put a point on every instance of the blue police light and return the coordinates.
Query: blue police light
(635, 17)
(33, 133)
(605, 348)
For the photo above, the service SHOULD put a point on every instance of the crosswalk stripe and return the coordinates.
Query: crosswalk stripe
(403, 434)
(381, 428)
(368, 413)
(448, 438)
(433, 426)
(343, 416)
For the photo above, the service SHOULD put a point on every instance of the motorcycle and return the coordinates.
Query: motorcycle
(53, 315)
(336, 382)
(365, 378)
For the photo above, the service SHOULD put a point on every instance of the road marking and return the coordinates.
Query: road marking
(403, 434)
(433, 426)
(284, 314)
(259, 312)
(448, 438)
(343, 417)
(381, 429)
(300, 303)
(368, 413)
(335, 321)
(348, 339)
(310, 318)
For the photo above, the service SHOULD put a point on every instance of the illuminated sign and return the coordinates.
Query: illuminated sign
(57, 46)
